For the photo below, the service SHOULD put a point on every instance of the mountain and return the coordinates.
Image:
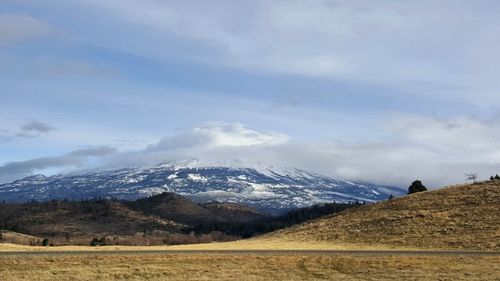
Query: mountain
(270, 189)
(465, 216)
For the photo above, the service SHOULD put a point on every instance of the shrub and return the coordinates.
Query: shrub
(98, 242)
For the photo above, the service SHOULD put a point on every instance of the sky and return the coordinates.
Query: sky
(378, 91)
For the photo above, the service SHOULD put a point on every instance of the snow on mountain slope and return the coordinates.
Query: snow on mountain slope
(264, 188)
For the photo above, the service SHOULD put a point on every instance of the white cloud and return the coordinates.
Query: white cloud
(219, 134)
(78, 159)
(446, 49)
(17, 28)
(215, 135)
(438, 151)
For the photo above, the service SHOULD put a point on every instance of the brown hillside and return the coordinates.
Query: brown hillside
(174, 207)
(7, 236)
(79, 218)
(466, 216)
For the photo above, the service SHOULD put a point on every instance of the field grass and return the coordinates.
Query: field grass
(458, 217)
(246, 267)
(240, 266)
(251, 244)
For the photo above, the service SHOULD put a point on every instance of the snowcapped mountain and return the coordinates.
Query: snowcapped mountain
(263, 188)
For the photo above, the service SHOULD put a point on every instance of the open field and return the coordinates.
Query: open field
(214, 266)
(252, 244)
(241, 261)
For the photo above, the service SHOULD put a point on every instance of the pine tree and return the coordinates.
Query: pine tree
(416, 186)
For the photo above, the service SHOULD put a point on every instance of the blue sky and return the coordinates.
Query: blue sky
(381, 91)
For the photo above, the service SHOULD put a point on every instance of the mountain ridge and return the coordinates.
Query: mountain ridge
(271, 189)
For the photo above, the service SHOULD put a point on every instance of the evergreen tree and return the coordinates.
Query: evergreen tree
(45, 242)
(416, 186)
(390, 197)
(497, 177)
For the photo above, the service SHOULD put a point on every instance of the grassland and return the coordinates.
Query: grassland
(458, 217)
(253, 244)
(246, 267)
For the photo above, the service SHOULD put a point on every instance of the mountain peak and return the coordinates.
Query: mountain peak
(36, 177)
(264, 187)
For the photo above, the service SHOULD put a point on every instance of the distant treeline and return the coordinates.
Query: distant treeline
(270, 223)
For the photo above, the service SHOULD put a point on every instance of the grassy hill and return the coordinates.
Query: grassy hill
(466, 216)
(79, 218)
(173, 207)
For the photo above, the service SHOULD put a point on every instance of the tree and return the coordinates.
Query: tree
(390, 197)
(492, 178)
(497, 177)
(471, 176)
(45, 242)
(416, 186)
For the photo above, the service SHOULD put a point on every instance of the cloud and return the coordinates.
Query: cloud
(451, 54)
(75, 159)
(217, 135)
(18, 28)
(212, 143)
(437, 151)
(30, 129)
(34, 129)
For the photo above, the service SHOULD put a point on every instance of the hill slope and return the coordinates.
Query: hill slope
(173, 207)
(466, 216)
(79, 218)
(161, 216)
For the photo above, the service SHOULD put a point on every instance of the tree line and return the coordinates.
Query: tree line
(269, 223)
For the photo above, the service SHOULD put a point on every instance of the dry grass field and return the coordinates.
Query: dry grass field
(458, 217)
(246, 267)
(252, 244)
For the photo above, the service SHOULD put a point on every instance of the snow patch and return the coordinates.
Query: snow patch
(196, 178)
